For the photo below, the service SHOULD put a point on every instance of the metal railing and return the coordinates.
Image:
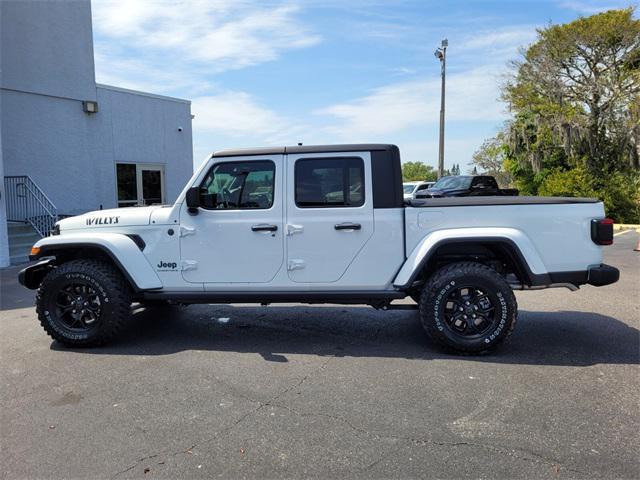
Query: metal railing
(26, 202)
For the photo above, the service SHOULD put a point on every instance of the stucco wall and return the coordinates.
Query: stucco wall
(145, 130)
(47, 47)
(4, 240)
(46, 70)
(72, 155)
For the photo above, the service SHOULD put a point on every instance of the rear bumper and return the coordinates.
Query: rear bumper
(598, 276)
(602, 275)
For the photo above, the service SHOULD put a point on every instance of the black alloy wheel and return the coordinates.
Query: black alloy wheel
(469, 311)
(77, 306)
(83, 303)
(468, 307)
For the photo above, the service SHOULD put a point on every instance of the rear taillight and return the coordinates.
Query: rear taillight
(602, 231)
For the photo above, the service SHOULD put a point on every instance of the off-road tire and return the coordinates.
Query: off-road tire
(109, 287)
(440, 290)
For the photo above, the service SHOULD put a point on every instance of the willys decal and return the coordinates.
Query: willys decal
(103, 220)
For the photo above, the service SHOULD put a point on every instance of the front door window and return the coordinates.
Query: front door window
(239, 185)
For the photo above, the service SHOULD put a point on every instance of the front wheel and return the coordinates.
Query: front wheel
(83, 303)
(468, 307)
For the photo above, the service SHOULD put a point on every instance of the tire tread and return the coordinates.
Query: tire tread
(430, 290)
(119, 296)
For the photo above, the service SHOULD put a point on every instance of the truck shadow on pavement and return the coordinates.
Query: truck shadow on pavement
(564, 338)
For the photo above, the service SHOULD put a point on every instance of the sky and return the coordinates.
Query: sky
(264, 73)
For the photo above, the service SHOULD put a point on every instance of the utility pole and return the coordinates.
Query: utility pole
(441, 54)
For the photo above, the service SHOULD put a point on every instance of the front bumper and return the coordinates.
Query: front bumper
(32, 276)
(602, 275)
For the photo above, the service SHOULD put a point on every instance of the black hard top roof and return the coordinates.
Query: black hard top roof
(353, 147)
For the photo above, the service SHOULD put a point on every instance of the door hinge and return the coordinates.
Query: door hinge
(295, 265)
(189, 265)
(291, 229)
(184, 231)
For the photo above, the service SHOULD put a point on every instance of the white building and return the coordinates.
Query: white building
(67, 144)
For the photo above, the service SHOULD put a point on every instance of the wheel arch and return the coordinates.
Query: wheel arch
(508, 245)
(118, 249)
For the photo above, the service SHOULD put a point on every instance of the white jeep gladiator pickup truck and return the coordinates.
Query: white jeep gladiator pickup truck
(317, 224)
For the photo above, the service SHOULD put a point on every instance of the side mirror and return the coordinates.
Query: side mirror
(209, 200)
(193, 199)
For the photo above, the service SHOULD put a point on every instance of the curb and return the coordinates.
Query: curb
(626, 226)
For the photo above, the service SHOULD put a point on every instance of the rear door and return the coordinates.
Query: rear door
(329, 214)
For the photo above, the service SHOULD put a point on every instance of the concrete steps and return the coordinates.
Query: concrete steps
(22, 236)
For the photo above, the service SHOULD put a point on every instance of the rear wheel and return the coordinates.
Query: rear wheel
(83, 303)
(468, 307)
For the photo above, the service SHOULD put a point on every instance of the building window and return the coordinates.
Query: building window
(127, 190)
(239, 185)
(140, 184)
(329, 182)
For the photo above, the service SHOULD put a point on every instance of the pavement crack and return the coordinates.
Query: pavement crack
(518, 453)
(325, 415)
(137, 462)
(300, 382)
(237, 422)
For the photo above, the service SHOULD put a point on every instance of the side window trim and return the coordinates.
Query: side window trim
(345, 180)
(236, 162)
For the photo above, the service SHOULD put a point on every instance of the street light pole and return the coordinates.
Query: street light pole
(441, 54)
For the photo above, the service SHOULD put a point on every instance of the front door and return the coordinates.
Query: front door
(329, 214)
(237, 234)
(150, 184)
(140, 184)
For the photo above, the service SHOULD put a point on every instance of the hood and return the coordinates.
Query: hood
(133, 216)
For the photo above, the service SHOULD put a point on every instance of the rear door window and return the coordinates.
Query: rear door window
(329, 182)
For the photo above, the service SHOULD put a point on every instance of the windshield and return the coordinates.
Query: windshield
(453, 182)
(408, 188)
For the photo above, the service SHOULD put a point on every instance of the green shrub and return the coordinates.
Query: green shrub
(620, 191)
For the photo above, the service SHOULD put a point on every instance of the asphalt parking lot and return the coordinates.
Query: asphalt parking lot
(328, 391)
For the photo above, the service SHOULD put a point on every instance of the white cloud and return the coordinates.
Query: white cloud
(178, 47)
(506, 40)
(218, 35)
(471, 95)
(238, 115)
(590, 7)
(476, 65)
(113, 69)
(235, 113)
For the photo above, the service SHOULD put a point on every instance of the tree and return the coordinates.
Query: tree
(576, 91)
(418, 171)
(575, 100)
(490, 159)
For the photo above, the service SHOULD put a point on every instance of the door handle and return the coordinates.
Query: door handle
(347, 226)
(264, 228)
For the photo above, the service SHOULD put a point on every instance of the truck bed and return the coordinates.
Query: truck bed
(557, 230)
